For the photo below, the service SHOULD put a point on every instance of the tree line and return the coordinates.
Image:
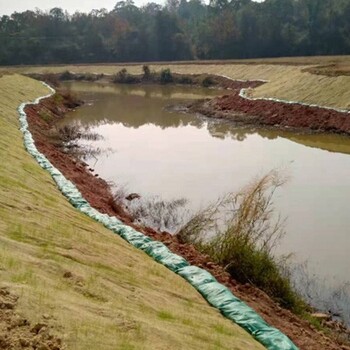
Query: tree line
(179, 30)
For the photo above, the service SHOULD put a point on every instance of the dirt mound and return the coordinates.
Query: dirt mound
(17, 332)
(272, 114)
(98, 193)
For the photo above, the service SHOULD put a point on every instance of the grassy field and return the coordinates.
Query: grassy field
(292, 79)
(99, 292)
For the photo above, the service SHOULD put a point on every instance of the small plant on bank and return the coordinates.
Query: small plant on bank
(117, 199)
(69, 133)
(58, 99)
(208, 81)
(66, 75)
(70, 99)
(123, 77)
(46, 116)
(147, 75)
(185, 79)
(166, 76)
(240, 232)
(159, 214)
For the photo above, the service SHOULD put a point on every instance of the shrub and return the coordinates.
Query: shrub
(166, 76)
(70, 99)
(240, 232)
(57, 98)
(123, 77)
(208, 81)
(185, 79)
(159, 214)
(66, 75)
(90, 77)
(146, 72)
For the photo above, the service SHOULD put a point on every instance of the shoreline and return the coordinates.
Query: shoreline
(236, 105)
(98, 193)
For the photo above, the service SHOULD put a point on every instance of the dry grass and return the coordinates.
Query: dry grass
(99, 292)
(240, 232)
(290, 79)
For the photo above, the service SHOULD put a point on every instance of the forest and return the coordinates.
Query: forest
(179, 30)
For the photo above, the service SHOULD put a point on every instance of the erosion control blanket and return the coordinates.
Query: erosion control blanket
(215, 293)
(244, 93)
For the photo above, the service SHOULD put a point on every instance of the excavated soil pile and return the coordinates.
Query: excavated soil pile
(17, 332)
(98, 193)
(269, 113)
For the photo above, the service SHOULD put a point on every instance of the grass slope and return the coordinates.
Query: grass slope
(100, 292)
(289, 78)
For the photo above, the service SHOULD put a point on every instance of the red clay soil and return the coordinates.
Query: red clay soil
(98, 193)
(272, 114)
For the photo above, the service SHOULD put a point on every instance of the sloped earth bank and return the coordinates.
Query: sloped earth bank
(17, 332)
(98, 193)
(267, 113)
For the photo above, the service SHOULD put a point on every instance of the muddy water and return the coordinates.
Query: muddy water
(155, 152)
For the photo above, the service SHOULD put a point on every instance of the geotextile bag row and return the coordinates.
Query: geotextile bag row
(215, 293)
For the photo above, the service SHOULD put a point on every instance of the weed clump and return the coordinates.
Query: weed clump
(123, 77)
(185, 79)
(69, 99)
(208, 81)
(66, 75)
(147, 75)
(159, 214)
(240, 232)
(46, 116)
(166, 76)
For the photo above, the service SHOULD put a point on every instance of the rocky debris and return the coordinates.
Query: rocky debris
(132, 196)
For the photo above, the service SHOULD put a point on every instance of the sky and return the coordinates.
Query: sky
(7, 7)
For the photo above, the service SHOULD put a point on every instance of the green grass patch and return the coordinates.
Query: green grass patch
(46, 116)
(165, 315)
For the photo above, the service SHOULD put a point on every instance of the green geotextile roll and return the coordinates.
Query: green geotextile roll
(215, 293)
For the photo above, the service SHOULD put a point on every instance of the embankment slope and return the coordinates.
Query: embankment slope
(97, 291)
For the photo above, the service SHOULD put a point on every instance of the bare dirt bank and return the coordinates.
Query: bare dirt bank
(243, 111)
(98, 193)
(17, 332)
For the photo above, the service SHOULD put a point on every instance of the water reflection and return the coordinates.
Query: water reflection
(177, 155)
(134, 106)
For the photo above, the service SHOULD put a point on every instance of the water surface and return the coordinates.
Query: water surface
(156, 152)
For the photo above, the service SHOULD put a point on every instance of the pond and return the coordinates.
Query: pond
(175, 155)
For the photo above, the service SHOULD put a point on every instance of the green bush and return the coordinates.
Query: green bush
(240, 232)
(90, 77)
(66, 75)
(123, 77)
(185, 79)
(166, 76)
(208, 81)
(146, 72)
